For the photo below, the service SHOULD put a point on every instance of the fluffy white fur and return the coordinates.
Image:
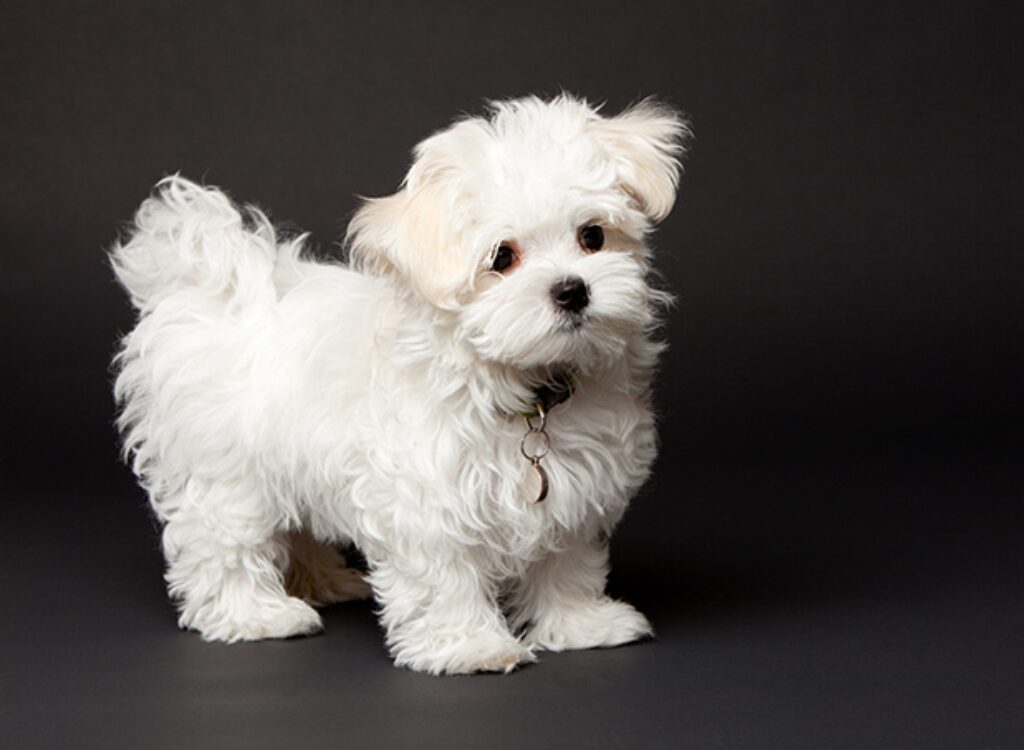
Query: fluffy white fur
(273, 406)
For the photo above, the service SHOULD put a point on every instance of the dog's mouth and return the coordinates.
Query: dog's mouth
(570, 322)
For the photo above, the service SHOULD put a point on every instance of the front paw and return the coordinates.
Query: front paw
(479, 652)
(601, 623)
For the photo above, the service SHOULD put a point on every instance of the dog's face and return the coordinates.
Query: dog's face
(529, 226)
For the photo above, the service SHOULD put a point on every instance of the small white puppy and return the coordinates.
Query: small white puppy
(274, 407)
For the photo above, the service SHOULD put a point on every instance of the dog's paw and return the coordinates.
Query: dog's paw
(503, 657)
(327, 585)
(318, 573)
(598, 624)
(256, 621)
(342, 585)
(481, 652)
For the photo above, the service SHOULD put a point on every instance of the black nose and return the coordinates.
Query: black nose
(570, 294)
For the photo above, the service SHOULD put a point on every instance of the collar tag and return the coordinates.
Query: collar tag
(535, 445)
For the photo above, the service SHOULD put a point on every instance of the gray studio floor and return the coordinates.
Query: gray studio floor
(889, 628)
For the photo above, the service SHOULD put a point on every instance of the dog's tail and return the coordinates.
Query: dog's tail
(190, 236)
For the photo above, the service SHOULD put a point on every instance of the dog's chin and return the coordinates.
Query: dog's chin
(570, 323)
(572, 343)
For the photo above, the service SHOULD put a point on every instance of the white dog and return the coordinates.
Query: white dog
(274, 406)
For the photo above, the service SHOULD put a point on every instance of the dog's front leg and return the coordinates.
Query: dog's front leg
(440, 613)
(562, 605)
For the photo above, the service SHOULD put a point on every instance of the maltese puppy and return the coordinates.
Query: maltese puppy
(468, 402)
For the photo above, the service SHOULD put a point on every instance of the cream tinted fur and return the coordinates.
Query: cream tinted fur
(266, 396)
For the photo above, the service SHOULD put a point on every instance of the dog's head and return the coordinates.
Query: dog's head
(529, 225)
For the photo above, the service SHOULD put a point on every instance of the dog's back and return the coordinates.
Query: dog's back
(231, 322)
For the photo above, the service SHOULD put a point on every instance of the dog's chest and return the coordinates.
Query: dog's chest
(590, 461)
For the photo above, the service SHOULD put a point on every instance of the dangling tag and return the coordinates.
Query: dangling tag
(543, 492)
(534, 453)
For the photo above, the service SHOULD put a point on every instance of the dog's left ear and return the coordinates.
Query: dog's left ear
(647, 143)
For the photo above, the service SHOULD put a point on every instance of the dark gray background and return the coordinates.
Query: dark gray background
(830, 548)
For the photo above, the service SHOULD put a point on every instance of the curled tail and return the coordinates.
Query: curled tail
(190, 236)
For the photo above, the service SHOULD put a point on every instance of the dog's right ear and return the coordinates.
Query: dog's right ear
(405, 236)
(413, 235)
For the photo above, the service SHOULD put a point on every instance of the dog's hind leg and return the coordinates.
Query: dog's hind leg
(224, 569)
(318, 573)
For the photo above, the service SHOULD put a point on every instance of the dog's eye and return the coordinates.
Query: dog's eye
(591, 238)
(504, 257)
